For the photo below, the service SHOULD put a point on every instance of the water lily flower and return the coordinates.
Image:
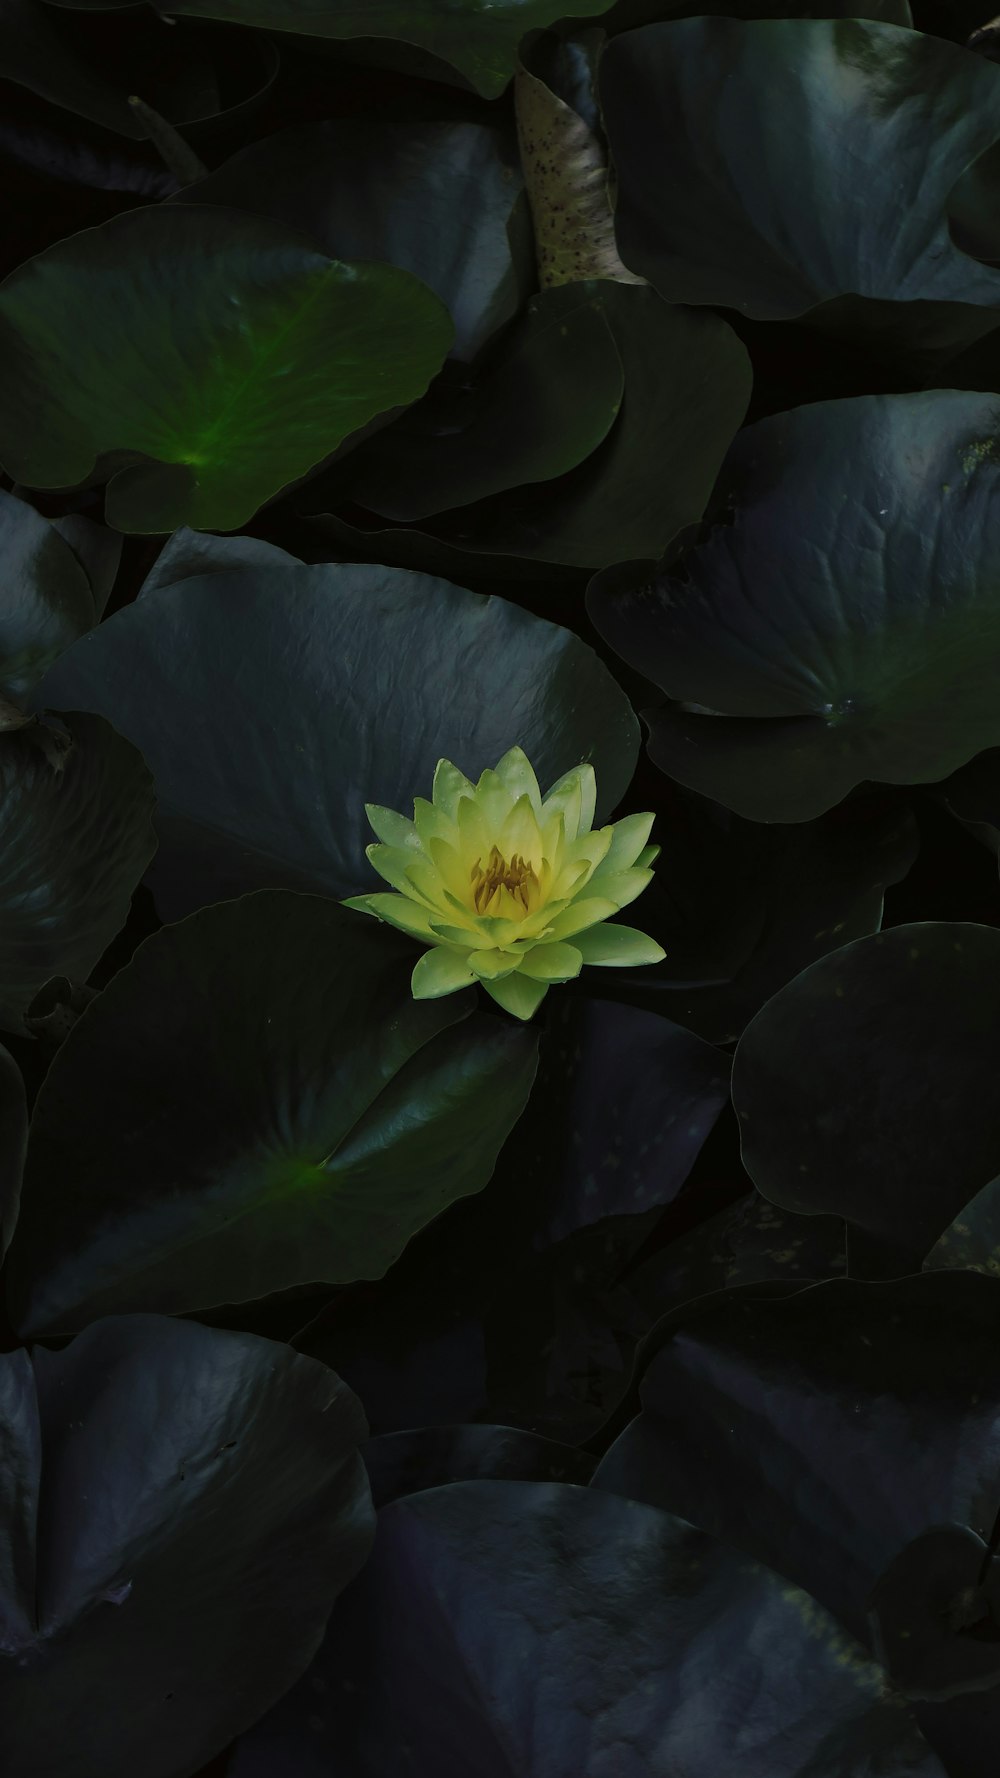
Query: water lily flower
(510, 888)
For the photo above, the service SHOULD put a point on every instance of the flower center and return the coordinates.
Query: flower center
(514, 875)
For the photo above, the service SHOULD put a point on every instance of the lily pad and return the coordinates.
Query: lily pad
(353, 682)
(429, 1456)
(76, 834)
(839, 185)
(13, 1142)
(183, 1469)
(876, 652)
(478, 38)
(547, 398)
(824, 1432)
(543, 1629)
(202, 357)
(741, 908)
(47, 601)
(435, 198)
(298, 1115)
(687, 384)
(38, 55)
(865, 1088)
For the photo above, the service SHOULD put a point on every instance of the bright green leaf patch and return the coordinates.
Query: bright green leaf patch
(202, 358)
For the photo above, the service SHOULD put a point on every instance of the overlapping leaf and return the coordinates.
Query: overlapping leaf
(478, 38)
(76, 834)
(839, 185)
(532, 1628)
(435, 198)
(841, 620)
(686, 382)
(47, 600)
(865, 1088)
(272, 706)
(203, 1503)
(203, 358)
(255, 1102)
(826, 1432)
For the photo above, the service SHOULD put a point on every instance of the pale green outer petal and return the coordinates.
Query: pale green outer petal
(440, 972)
(473, 836)
(648, 856)
(566, 799)
(517, 995)
(360, 904)
(491, 965)
(400, 911)
(551, 963)
(430, 823)
(515, 771)
(390, 828)
(449, 785)
(619, 945)
(494, 799)
(581, 914)
(411, 873)
(620, 886)
(628, 837)
(467, 936)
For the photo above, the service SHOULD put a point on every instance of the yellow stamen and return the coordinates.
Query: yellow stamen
(515, 876)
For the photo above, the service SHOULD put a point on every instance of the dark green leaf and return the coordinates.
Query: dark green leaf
(76, 834)
(409, 1462)
(972, 1241)
(687, 384)
(182, 1508)
(217, 356)
(46, 601)
(823, 1432)
(479, 38)
(255, 1102)
(353, 682)
(434, 198)
(13, 1141)
(515, 1628)
(838, 185)
(741, 908)
(866, 1087)
(545, 400)
(36, 53)
(524, 1272)
(848, 594)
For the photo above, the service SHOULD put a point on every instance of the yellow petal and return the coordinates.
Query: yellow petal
(494, 800)
(520, 835)
(580, 783)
